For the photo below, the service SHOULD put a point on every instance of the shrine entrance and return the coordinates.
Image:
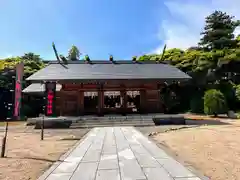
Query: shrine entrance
(90, 102)
(133, 101)
(112, 102)
(100, 99)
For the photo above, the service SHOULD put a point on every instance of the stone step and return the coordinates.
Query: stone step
(105, 121)
(108, 125)
(111, 123)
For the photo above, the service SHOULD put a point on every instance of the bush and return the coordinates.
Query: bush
(214, 102)
(238, 92)
(228, 90)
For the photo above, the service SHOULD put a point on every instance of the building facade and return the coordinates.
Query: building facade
(106, 87)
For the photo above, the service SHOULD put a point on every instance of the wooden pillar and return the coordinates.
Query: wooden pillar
(143, 100)
(100, 100)
(81, 102)
(160, 100)
(62, 103)
(123, 94)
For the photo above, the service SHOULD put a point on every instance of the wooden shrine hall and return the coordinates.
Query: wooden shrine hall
(106, 87)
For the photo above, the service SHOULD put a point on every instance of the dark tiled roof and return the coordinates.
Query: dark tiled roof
(106, 70)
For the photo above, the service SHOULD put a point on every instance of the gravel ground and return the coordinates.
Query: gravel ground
(213, 150)
(27, 157)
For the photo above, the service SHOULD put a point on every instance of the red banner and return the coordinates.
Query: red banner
(18, 90)
(50, 98)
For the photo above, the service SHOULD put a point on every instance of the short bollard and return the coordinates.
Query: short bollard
(4, 141)
(42, 130)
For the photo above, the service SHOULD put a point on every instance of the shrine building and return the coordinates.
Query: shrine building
(106, 87)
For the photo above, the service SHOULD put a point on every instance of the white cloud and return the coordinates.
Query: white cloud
(187, 19)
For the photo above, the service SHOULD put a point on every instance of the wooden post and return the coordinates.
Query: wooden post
(160, 103)
(4, 141)
(42, 129)
(123, 93)
(81, 102)
(42, 123)
(62, 106)
(100, 100)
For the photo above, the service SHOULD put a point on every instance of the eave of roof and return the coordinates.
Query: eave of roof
(38, 88)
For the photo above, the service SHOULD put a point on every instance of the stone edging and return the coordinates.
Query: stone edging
(62, 158)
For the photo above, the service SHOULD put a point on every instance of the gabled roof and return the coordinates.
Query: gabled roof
(106, 70)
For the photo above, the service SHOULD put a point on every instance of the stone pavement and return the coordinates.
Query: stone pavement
(118, 153)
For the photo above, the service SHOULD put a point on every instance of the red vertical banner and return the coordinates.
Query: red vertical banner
(50, 94)
(18, 90)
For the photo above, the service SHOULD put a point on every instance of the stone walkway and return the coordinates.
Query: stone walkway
(118, 153)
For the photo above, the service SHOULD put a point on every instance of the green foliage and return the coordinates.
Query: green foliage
(196, 104)
(214, 102)
(134, 58)
(110, 58)
(218, 31)
(74, 53)
(228, 90)
(32, 63)
(238, 92)
(86, 58)
(144, 58)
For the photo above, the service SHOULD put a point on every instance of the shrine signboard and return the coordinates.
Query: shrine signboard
(50, 94)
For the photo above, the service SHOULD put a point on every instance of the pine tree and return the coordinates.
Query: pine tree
(219, 31)
(74, 53)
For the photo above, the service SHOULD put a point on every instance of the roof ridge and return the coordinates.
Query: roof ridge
(108, 62)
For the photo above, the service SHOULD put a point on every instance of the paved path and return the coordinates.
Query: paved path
(118, 153)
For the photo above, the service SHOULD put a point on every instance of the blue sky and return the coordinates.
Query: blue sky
(123, 28)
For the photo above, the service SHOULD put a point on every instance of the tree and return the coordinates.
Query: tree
(8, 68)
(31, 56)
(238, 92)
(219, 31)
(111, 58)
(87, 58)
(238, 40)
(73, 53)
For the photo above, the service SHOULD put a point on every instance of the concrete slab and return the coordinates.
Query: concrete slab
(59, 176)
(108, 175)
(147, 161)
(157, 173)
(118, 153)
(176, 169)
(85, 171)
(130, 169)
(108, 162)
(92, 156)
(66, 167)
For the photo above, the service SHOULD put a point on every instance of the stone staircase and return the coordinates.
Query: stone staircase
(107, 121)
